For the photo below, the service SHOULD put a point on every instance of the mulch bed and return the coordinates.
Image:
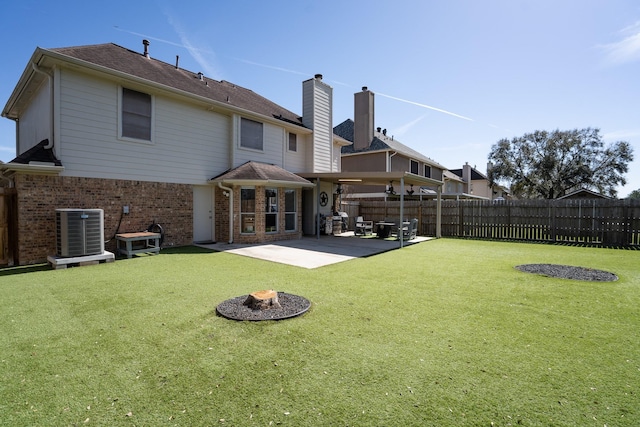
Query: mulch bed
(568, 272)
(291, 306)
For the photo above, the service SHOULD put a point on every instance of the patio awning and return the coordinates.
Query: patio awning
(382, 178)
(372, 178)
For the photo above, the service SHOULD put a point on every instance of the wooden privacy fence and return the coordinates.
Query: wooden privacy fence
(614, 223)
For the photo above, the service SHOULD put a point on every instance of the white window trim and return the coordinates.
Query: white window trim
(153, 119)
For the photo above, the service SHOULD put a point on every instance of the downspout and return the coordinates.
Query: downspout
(35, 67)
(230, 210)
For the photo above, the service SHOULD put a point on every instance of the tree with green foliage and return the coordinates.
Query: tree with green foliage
(552, 164)
(635, 194)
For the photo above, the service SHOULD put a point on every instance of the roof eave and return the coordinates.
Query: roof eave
(55, 56)
(35, 168)
(262, 182)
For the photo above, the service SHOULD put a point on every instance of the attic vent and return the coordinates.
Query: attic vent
(145, 43)
(79, 232)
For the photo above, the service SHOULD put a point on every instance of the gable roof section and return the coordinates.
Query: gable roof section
(380, 142)
(110, 57)
(37, 154)
(252, 173)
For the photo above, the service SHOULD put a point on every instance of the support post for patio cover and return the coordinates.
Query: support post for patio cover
(439, 213)
(318, 208)
(401, 223)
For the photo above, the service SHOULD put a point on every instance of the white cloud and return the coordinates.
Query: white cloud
(625, 50)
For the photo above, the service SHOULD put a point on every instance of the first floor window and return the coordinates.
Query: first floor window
(247, 210)
(271, 210)
(136, 114)
(290, 206)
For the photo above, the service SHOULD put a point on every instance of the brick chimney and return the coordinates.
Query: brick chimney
(363, 117)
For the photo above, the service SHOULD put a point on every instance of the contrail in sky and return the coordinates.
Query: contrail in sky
(426, 106)
(197, 55)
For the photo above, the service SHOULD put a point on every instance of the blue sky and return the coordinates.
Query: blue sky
(451, 77)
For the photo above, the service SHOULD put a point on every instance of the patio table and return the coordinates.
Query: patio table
(383, 229)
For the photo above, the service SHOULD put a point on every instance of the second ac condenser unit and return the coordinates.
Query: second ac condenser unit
(79, 232)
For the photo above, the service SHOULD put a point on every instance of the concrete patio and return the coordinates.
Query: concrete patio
(313, 252)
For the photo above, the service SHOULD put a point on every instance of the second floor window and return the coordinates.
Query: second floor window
(293, 142)
(427, 171)
(136, 115)
(415, 167)
(251, 135)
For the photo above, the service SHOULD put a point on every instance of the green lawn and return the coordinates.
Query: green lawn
(441, 333)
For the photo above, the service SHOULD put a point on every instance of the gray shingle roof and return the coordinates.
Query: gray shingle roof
(127, 61)
(37, 153)
(379, 142)
(257, 171)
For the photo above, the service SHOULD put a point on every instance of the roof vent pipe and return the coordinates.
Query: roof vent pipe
(364, 88)
(177, 60)
(145, 43)
(200, 76)
(318, 76)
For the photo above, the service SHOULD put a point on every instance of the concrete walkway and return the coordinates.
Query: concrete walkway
(313, 252)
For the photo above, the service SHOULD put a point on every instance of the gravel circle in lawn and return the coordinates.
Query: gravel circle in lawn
(291, 306)
(568, 272)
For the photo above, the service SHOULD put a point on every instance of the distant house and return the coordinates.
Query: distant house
(102, 126)
(373, 150)
(476, 185)
(584, 194)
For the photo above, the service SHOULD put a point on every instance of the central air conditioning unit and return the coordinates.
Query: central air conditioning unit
(80, 232)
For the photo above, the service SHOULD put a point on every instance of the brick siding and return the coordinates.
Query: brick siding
(38, 196)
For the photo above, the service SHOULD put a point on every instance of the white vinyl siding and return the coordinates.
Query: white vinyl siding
(191, 144)
(317, 116)
(34, 124)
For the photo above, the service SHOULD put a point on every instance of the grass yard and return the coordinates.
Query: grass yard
(442, 333)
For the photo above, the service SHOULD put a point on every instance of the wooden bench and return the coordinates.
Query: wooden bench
(137, 243)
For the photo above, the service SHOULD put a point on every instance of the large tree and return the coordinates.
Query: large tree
(551, 164)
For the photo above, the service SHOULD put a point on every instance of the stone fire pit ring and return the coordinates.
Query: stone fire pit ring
(289, 306)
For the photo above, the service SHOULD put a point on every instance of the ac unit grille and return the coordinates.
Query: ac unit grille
(79, 232)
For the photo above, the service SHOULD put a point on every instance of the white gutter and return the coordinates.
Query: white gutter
(35, 67)
(230, 209)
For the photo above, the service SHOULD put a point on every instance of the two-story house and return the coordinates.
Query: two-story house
(105, 127)
(373, 150)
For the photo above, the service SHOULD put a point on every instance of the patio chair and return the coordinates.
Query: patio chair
(409, 229)
(363, 227)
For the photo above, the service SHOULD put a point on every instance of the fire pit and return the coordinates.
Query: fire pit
(263, 305)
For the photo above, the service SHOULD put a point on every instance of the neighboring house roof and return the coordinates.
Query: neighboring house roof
(475, 174)
(111, 57)
(380, 142)
(584, 194)
(451, 176)
(253, 172)
(37, 154)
